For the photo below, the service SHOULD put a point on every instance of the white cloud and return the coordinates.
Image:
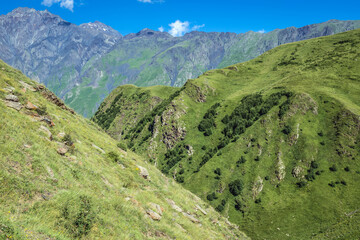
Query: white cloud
(145, 1)
(261, 31)
(197, 27)
(179, 28)
(68, 4)
(161, 29)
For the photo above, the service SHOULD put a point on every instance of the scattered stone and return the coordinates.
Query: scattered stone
(97, 148)
(190, 150)
(174, 206)
(297, 171)
(12, 98)
(122, 166)
(27, 146)
(158, 208)
(192, 218)
(47, 131)
(30, 106)
(61, 135)
(153, 215)
(62, 151)
(280, 172)
(144, 172)
(180, 227)
(200, 209)
(9, 89)
(15, 105)
(27, 86)
(23, 90)
(257, 187)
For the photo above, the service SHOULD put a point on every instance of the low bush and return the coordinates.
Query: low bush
(235, 187)
(113, 156)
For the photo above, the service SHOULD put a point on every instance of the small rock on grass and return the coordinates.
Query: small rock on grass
(12, 98)
(62, 151)
(153, 215)
(15, 105)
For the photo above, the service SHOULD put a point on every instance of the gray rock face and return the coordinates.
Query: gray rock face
(83, 64)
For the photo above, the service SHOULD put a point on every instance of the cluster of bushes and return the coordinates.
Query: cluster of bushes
(79, 216)
(42, 110)
(208, 121)
(333, 184)
(211, 196)
(239, 206)
(113, 156)
(251, 108)
(310, 176)
(221, 206)
(240, 161)
(235, 187)
(104, 119)
(173, 156)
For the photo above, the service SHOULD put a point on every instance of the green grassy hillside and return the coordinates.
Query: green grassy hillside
(63, 177)
(272, 143)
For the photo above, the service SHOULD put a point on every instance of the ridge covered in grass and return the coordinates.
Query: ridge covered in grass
(63, 177)
(272, 143)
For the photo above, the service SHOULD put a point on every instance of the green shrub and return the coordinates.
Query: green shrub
(241, 161)
(301, 184)
(258, 200)
(113, 156)
(333, 168)
(267, 178)
(211, 196)
(42, 110)
(221, 206)
(67, 140)
(179, 178)
(347, 169)
(235, 187)
(217, 171)
(79, 216)
(257, 158)
(332, 184)
(287, 130)
(122, 145)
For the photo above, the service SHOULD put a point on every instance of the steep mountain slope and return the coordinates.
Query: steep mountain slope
(62, 177)
(83, 64)
(273, 143)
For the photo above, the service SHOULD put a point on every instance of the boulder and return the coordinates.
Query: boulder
(144, 172)
(27, 86)
(12, 98)
(97, 148)
(47, 131)
(30, 106)
(157, 207)
(191, 217)
(15, 105)
(174, 206)
(62, 151)
(61, 135)
(9, 89)
(153, 215)
(200, 209)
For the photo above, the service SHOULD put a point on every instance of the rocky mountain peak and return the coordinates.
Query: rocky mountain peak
(99, 27)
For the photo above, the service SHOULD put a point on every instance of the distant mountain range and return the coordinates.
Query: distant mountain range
(83, 64)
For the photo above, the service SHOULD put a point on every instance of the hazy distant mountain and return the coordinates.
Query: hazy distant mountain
(83, 64)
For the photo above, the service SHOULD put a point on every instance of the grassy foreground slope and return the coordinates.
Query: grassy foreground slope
(62, 177)
(273, 143)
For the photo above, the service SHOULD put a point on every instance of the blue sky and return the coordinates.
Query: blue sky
(178, 17)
